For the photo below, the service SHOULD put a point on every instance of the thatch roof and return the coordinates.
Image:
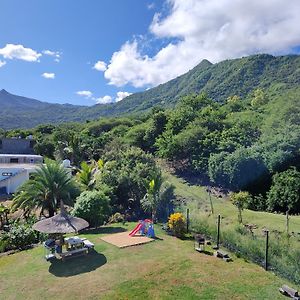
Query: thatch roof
(61, 223)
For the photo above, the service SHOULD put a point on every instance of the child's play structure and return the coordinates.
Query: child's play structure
(144, 227)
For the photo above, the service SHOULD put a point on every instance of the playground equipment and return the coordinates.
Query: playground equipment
(144, 227)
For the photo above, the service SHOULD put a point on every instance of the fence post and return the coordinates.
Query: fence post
(218, 235)
(267, 250)
(210, 200)
(187, 219)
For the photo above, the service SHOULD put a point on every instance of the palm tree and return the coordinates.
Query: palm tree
(50, 184)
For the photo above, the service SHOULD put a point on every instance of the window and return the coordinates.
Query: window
(0, 144)
(6, 174)
(14, 160)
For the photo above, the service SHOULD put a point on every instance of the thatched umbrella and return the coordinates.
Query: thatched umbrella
(61, 223)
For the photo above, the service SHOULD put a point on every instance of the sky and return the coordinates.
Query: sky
(100, 51)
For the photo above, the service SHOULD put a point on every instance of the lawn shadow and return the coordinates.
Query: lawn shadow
(103, 230)
(158, 238)
(77, 265)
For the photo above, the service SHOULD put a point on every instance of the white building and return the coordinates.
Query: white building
(15, 170)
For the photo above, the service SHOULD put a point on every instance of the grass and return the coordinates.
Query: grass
(168, 268)
(198, 202)
(284, 251)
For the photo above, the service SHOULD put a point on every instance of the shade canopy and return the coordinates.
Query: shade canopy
(61, 223)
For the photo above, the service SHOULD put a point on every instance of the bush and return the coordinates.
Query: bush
(93, 206)
(177, 225)
(4, 244)
(257, 202)
(21, 236)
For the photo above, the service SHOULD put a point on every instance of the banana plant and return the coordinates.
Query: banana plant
(152, 198)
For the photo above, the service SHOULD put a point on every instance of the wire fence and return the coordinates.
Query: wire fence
(273, 250)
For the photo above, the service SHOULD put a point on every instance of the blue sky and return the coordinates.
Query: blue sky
(48, 49)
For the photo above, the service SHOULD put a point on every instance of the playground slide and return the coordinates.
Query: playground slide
(136, 229)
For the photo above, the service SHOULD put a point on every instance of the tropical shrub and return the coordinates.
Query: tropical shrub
(117, 218)
(21, 236)
(177, 225)
(93, 206)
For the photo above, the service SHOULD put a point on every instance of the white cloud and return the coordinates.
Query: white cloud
(211, 29)
(11, 51)
(104, 100)
(151, 5)
(48, 75)
(55, 54)
(100, 66)
(86, 94)
(2, 63)
(122, 95)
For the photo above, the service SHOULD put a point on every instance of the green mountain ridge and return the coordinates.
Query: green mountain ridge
(240, 77)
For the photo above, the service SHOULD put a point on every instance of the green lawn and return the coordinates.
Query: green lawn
(167, 268)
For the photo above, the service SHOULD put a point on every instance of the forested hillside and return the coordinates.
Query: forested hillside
(237, 144)
(277, 76)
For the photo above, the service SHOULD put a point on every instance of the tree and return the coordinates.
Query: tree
(259, 98)
(240, 200)
(50, 185)
(284, 194)
(125, 171)
(93, 206)
(237, 170)
(45, 147)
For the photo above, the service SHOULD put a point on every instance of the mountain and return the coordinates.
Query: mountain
(230, 77)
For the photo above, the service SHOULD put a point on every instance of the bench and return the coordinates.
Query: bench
(223, 255)
(72, 253)
(88, 244)
(290, 292)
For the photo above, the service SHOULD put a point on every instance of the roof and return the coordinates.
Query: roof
(61, 223)
(21, 155)
(18, 166)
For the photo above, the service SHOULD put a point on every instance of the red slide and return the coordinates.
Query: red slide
(136, 229)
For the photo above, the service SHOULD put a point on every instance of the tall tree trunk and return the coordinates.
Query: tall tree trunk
(240, 216)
